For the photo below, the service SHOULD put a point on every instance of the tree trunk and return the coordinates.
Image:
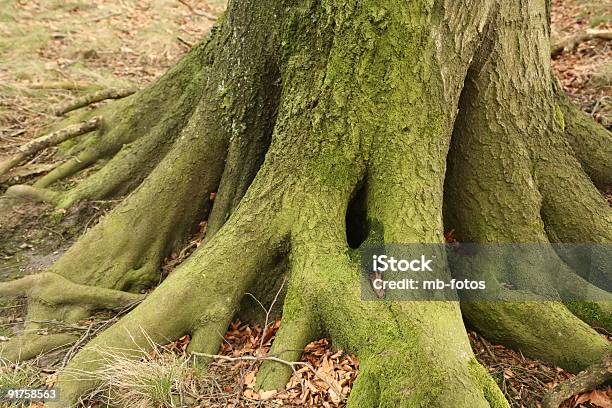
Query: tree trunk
(291, 111)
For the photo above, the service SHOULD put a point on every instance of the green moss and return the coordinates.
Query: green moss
(490, 389)
(559, 117)
(592, 313)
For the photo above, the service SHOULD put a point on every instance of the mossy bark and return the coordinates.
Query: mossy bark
(350, 98)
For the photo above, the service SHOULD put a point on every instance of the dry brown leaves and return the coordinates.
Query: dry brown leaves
(524, 381)
(595, 398)
(176, 258)
(584, 73)
(325, 381)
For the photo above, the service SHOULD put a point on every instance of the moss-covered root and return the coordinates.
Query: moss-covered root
(124, 251)
(51, 288)
(413, 354)
(28, 346)
(546, 330)
(591, 142)
(574, 211)
(201, 296)
(53, 297)
(298, 328)
(121, 174)
(43, 195)
(135, 117)
(82, 160)
(372, 387)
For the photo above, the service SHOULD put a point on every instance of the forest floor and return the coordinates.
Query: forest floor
(56, 50)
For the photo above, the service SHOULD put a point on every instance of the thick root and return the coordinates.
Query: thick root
(223, 269)
(298, 328)
(54, 289)
(591, 142)
(31, 193)
(575, 212)
(54, 298)
(138, 116)
(29, 346)
(555, 335)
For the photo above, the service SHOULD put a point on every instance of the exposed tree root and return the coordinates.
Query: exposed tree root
(47, 291)
(128, 120)
(510, 183)
(111, 93)
(54, 289)
(587, 380)
(223, 268)
(84, 159)
(49, 140)
(298, 328)
(30, 345)
(571, 43)
(33, 193)
(590, 141)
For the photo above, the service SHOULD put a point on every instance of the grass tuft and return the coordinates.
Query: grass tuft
(18, 376)
(160, 379)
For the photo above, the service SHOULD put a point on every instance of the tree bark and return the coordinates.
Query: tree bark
(298, 108)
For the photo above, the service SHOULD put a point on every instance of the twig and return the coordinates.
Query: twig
(184, 42)
(571, 43)
(291, 364)
(96, 19)
(51, 139)
(268, 311)
(76, 345)
(196, 12)
(111, 93)
(587, 380)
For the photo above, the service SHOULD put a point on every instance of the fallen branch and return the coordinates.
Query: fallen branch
(585, 381)
(198, 13)
(49, 140)
(111, 93)
(184, 42)
(571, 43)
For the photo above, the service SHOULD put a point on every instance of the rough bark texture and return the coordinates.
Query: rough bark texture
(294, 111)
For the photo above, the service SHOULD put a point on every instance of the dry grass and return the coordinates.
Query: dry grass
(55, 50)
(163, 380)
(24, 375)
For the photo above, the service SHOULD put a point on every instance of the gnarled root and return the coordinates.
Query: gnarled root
(329, 138)
(54, 298)
(223, 269)
(137, 128)
(586, 380)
(520, 184)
